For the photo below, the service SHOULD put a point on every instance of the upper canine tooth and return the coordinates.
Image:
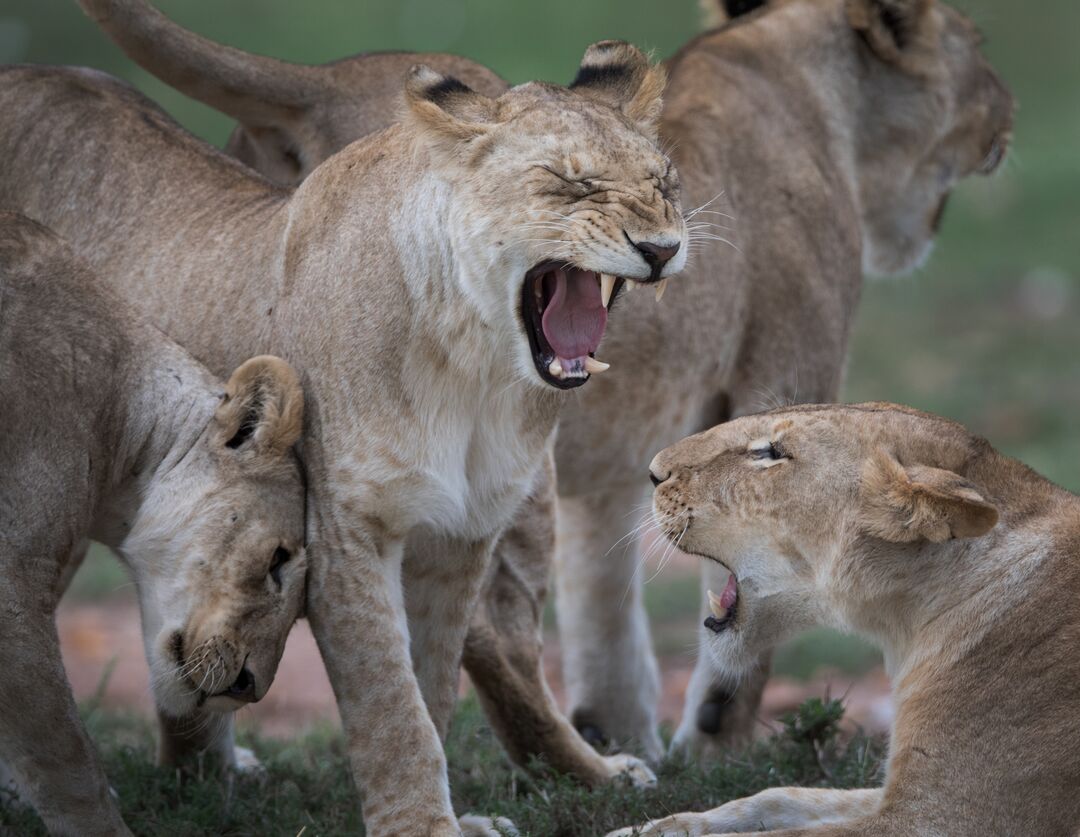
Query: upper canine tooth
(592, 365)
(661, 286)
(718, 610)
(555, 368)
(607, 285)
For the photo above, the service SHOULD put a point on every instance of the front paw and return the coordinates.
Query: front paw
(246, 762)
(487, 827)
(630, 769)
(680, 825)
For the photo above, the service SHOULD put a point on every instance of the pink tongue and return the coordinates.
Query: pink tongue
(575, 317)
(730, 594)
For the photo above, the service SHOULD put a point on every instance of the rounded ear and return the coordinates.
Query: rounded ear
(892, 28)
(445, 106)
(620, 74)
(901, 504)
(263, 408)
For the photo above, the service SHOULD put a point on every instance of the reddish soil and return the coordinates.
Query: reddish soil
(97, 637)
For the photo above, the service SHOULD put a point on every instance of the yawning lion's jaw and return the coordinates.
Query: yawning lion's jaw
(564, 311)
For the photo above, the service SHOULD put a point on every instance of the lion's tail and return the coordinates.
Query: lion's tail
(253, 89)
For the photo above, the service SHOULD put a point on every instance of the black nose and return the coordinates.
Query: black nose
(656, 255)
(243, 688)
(657, 480)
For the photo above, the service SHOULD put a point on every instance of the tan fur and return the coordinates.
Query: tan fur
(778, 121)
(960, 563)
(392, 279)
(292, 117)
(112, 431)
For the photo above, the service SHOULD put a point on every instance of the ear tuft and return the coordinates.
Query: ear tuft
(902, 505)
(263, 408)
(890, 27)
(620, 74)
(446, 105)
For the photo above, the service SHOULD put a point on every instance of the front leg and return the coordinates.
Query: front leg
(42, 741)
(443, 578)
(719, 708)
(357, 615)
(775, 808)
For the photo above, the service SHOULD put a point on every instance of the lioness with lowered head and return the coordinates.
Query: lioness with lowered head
(441, 285)
(962, 564)
(113, 432)
(862, 112)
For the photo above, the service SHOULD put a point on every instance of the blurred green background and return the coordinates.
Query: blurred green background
(987, 333)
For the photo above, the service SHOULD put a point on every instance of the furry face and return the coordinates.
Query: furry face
(944, 100)
(793, 501)
(572, 189)
(217, 549)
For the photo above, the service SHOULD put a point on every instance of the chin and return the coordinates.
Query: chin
(731, 656)
(172, 697)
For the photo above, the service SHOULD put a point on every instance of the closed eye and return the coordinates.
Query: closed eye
(580, 183)
(770, 451)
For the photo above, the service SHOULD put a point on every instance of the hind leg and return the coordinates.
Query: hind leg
(612, 679)
(503, 654)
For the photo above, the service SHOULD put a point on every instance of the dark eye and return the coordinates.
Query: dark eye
(768, 452)
(281, 555)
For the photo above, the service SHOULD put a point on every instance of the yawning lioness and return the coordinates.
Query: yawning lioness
(963, 565)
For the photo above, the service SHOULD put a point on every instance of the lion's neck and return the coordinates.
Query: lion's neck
(167, 402)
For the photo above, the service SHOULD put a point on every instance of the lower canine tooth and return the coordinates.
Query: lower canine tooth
(718, 610)
(660, 288)
(592, 365)
(555, 368)
(607, 285)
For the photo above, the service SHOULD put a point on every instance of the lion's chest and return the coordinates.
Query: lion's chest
(462, 473)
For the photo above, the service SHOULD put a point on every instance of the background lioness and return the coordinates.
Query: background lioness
(440, 285)
(112, 431)
(818, 138)
(963, 565)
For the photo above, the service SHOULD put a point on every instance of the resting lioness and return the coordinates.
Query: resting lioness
(825, 135)
(962, 564)
(113, 432)
(441, 285)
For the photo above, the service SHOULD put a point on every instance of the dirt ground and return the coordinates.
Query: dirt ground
(102, 650)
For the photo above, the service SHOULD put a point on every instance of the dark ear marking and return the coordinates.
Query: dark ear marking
(895, 24)
(449, 86)
(605, 74)
(244, 431)
(736, 8)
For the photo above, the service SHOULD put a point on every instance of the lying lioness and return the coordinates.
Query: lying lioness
(442, 285)
(113, 432)
(963, 565)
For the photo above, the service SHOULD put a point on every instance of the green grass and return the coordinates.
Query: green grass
(306, 784)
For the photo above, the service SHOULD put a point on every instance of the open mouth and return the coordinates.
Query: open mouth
(564, 310)
(723, 607)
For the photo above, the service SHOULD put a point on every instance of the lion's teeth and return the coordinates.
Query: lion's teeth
(592, 365)
(555, 368)
(631, 285)
(661, 286)
(607, 285)
(718, 610)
